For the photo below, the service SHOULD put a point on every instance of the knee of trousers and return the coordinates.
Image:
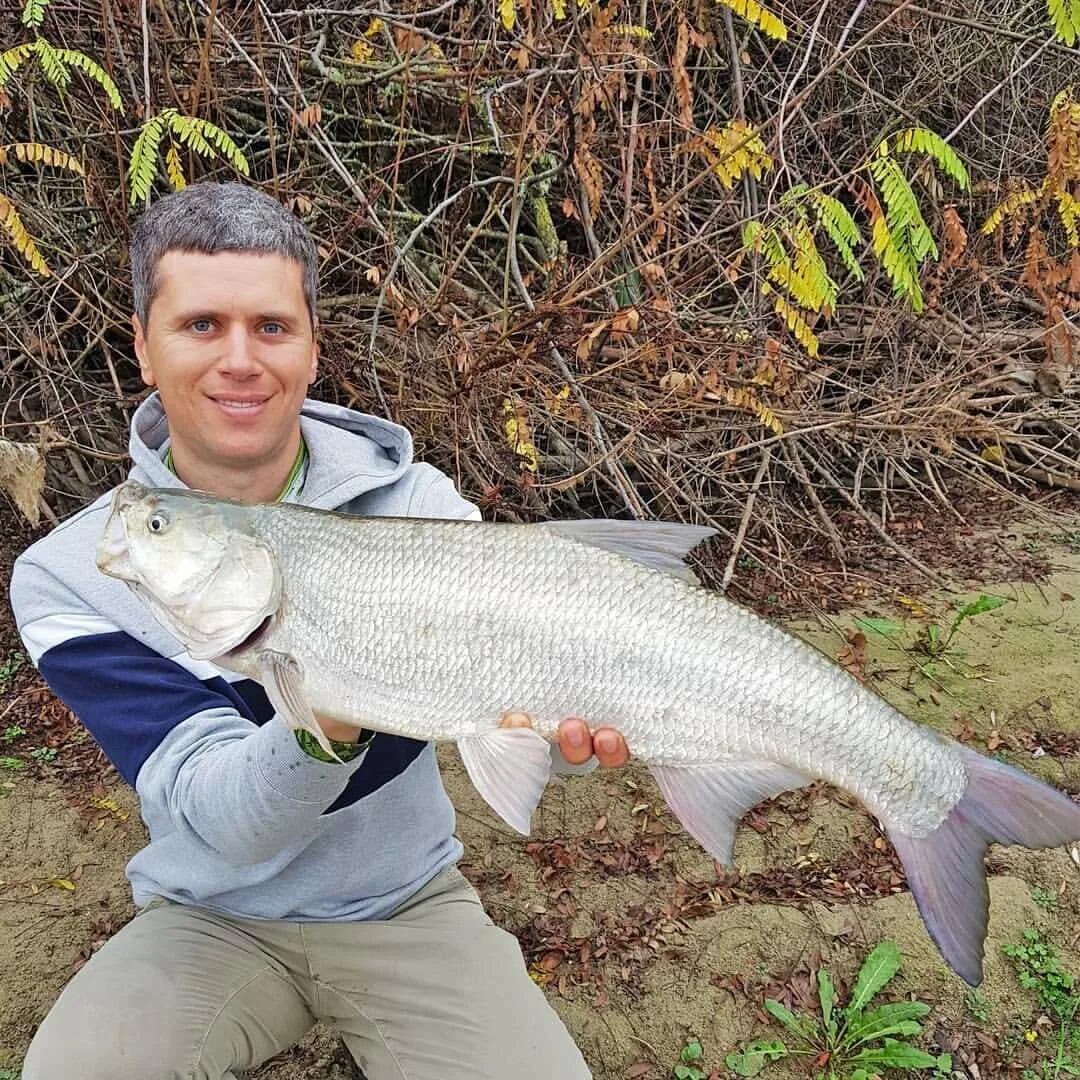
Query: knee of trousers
(108, 1055)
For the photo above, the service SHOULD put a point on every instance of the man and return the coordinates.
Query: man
(279, 886)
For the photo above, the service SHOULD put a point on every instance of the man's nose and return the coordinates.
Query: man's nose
(240, 358)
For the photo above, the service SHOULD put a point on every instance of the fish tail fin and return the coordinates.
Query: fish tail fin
(945, 869)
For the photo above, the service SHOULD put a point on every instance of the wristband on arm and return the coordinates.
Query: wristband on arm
(344, 750)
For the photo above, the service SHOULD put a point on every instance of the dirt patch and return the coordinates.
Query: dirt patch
(62, 895)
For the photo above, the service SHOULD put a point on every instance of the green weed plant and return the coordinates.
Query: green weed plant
(690, 1059)
(855, 1041)
(935, 641)
(10, 668)
(1038, 967)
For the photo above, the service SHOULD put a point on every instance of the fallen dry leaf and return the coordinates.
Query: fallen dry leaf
(852, 657)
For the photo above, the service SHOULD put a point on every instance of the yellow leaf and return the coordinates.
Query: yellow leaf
(994, 454)
(744, 399)
(508, 13)
(1011, 204)
(12, 224)
(539, 975)
(732, 150)
(642, 33)
(797, 325)
(917, 609)
(361, 50)
(771, 25)
(112, 806)
(39, 153)
(62, 883)
(518, 437)
(558, 7)
(175, 168)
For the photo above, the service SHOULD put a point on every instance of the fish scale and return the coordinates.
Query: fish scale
(437, 629)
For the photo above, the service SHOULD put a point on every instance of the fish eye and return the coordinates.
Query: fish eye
(158, 523)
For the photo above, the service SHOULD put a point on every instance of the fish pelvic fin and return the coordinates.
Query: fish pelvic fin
(284, 684)
(945, 870)
(709, 800)
(510, 767)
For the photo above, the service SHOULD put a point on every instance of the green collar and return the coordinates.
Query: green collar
(294, 482)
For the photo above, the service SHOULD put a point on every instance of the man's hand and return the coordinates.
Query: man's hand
(577, 744)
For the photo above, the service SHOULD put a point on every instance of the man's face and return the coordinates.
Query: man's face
(230, 348)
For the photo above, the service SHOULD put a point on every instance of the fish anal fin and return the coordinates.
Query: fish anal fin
(283, 682)
(510, 767)
(709, 800)
(660, 545)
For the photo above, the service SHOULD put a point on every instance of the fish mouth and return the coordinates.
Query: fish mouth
(113, 556)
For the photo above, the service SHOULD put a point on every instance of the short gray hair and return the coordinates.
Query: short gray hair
(209, 217)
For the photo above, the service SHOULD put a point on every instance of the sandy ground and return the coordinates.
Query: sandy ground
(638, 940)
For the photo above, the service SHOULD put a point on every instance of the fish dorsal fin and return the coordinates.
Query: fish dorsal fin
(709, 800)
(661, 545)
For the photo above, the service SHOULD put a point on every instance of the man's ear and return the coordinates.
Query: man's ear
(314, 370)
(145, 370)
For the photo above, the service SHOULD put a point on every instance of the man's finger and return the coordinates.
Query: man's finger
(515, 719)
(575, 744)
(610, 748)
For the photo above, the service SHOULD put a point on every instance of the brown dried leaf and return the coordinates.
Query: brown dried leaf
(409, 41)
(680, 76)
(22, 476)
(586, 344)
(852, 657)
(682, 382)
(310, 116)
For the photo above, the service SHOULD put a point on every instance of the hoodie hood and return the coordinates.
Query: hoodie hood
(349, 453)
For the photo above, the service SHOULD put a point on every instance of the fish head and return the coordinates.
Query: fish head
(195, 562)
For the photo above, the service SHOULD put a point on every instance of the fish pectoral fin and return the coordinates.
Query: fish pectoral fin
(661, 545)
(709, 800)
(283, 682)
(510, 767)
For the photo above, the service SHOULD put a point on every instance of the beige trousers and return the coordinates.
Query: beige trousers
(436, 992)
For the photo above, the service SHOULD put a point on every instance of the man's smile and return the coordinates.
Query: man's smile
(246, 405)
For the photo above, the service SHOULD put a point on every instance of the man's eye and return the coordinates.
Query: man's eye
(273, 328)
(201, 326)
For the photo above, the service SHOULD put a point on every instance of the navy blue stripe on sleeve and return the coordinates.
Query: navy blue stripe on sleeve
(129, 696)
(388, 756)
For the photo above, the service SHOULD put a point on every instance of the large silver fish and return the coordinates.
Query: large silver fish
(437, 629)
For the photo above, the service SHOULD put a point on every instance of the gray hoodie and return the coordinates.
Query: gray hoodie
(241, 819)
